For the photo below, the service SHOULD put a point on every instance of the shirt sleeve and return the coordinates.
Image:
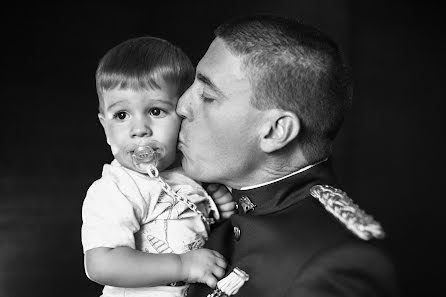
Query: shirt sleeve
(109, 218)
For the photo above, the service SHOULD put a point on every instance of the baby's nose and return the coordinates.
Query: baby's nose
(140, 128)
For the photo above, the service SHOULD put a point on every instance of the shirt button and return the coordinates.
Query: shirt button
(237, 233)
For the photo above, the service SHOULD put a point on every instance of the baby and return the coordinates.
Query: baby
(142, 234)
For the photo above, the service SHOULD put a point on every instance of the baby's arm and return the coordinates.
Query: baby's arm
(222, 198)
(126, 267)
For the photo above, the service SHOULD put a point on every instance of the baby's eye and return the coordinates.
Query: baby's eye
(120, 115)
(157, 112)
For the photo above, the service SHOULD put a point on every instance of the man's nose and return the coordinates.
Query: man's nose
(140, 127)
(184, 109)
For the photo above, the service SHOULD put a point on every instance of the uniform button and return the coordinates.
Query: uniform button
(237, 233)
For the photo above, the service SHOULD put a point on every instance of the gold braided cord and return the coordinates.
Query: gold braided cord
(343, 208)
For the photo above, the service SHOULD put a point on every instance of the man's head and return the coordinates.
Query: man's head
(279, 88)
(139, 82)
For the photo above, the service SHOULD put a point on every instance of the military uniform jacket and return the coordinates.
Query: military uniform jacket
(291, 246)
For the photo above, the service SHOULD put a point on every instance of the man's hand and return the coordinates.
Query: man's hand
(203, 266)
(222, 198)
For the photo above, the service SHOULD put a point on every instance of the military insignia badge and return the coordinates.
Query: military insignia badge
(342, 207)
(230, 284)
(246, 204)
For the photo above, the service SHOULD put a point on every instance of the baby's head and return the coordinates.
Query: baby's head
(138, 83)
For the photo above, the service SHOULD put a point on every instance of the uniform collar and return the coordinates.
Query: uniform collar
(283, 192)
(283, 177)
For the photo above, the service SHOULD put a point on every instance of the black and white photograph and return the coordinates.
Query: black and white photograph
(233, 148)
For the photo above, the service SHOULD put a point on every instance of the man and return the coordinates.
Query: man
(261, 116)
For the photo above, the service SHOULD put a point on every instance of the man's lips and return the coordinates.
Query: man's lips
(181, 139)
(181, 145)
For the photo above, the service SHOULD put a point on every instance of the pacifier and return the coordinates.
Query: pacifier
(145, 159)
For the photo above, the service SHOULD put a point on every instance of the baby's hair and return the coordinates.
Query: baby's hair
(144, 63)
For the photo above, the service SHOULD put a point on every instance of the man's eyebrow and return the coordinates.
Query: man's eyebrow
(205, 80)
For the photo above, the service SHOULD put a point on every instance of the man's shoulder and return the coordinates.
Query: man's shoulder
(310, 245)
(306, 228)
(328, 214)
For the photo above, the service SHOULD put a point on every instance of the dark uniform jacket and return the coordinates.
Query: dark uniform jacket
(291, 246)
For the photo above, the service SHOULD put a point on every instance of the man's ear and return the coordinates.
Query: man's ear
(281, 128)
(102, 121)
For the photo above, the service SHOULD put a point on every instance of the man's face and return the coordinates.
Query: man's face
(219, 133)
(132, 118)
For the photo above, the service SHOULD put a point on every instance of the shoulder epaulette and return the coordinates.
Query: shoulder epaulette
(342, 207)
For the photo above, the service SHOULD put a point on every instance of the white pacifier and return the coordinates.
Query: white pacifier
(145, 159)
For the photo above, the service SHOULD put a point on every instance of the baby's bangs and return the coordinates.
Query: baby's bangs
(112, 81)
(149, 80)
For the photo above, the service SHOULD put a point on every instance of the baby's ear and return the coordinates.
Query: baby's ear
(281, 128)
(102, 121)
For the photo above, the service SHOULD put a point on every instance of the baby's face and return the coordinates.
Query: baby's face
(132, 118)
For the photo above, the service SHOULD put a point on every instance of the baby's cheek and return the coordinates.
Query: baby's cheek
(114, 149)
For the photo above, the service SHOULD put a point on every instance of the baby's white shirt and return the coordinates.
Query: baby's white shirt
(126, 208)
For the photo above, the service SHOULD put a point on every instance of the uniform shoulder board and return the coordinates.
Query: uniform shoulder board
(342, 207)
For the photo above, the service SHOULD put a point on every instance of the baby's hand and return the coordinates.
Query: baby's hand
(222, 198)
(203, 266)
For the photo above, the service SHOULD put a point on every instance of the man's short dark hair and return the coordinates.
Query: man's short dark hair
(294, 67)
(143, 63)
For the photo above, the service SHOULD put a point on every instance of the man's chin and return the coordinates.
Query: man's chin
(191, 170)
(187, 169)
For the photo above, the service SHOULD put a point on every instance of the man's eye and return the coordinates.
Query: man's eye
(120, 115)
(157, 112)
(206, 99)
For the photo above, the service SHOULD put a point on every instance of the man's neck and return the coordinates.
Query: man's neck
(269, 171)
(297, 171)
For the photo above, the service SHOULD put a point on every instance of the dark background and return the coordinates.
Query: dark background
(389, 155)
